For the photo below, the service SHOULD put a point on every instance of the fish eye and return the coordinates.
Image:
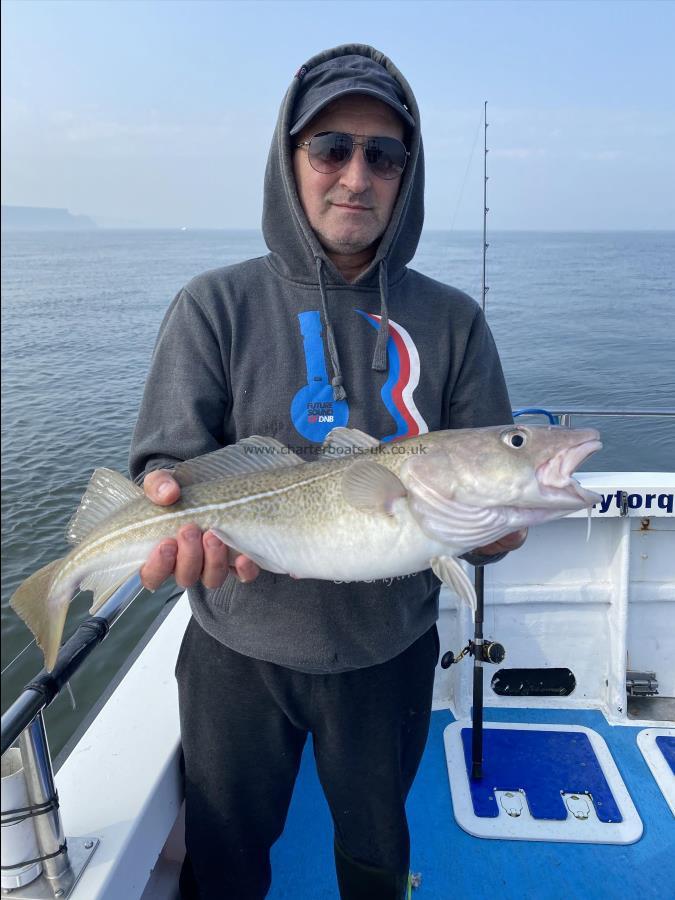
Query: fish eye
(514, 439)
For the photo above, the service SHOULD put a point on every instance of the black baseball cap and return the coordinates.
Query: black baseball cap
(351, 74)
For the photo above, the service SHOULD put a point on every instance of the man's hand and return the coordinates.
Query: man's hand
(505, 544)
(193, 555)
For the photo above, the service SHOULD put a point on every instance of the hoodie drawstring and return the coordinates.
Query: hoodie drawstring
(380, 355)
(379, 363)
(339, 392)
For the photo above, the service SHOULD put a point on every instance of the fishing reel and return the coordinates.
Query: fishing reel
(482, 651)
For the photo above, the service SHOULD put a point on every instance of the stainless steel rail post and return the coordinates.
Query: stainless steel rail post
(37, 766)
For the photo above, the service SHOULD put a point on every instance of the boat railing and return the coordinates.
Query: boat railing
(46, 686)
(565, 415)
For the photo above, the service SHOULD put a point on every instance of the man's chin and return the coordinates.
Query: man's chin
(348, 245)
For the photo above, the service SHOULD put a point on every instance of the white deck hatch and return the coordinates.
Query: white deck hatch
(513, 813)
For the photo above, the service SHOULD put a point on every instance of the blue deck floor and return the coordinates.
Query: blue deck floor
(450, 860)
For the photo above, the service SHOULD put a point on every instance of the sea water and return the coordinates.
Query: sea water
(580, 320)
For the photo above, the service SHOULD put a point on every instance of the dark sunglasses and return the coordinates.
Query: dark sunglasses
(329, 151)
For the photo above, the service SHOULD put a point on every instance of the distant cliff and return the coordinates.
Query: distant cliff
(34, 218)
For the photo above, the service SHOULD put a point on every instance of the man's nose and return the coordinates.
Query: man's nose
(356, 175)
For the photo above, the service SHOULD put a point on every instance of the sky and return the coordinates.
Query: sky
(160, 113)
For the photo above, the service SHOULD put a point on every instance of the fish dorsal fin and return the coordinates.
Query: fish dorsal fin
(107, 492)
(252, 454)
(344, 442)
(371, 487)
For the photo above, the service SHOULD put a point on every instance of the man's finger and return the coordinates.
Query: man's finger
(161, 487)
(216, 561)
(190, 559)
(245, 569)
(159, 565)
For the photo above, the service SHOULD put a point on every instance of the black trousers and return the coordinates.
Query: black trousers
(244, 723)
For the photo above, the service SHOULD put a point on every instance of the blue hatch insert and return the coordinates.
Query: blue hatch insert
(666, 745)
(542, 764)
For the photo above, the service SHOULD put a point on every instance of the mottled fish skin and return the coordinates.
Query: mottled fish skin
(433, 497)
(296, 518)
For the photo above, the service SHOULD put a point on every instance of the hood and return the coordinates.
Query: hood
(296, 251)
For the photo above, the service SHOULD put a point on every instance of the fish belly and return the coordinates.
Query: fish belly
(351, 548)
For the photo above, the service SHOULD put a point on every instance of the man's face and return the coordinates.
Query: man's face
(348, 209)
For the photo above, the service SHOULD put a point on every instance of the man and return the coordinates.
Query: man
(329, 329)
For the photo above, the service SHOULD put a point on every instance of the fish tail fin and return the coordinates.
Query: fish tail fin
(31, 602)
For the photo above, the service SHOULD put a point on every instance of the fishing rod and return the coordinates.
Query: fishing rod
(479, 571)
(482, 651)
(486, 209)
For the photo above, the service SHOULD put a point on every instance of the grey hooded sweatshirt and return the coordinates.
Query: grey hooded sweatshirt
(284, 346)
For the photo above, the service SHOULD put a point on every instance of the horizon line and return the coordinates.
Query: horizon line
(228, 228)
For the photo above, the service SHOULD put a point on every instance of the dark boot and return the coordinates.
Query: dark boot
(359, 881)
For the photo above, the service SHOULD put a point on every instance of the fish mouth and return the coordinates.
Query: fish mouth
(555, 475)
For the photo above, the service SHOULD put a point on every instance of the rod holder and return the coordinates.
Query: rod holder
(20, 852)
(37, 764)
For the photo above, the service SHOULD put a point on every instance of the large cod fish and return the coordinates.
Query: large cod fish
(365, 510)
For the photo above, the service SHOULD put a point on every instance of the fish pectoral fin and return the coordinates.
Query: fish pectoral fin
(457, 524)
(252, 454)
(32, 603)
(104, 583)
(451, 573)
(370, 487)
(344, 442)
(259, 560)
(107, 492)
